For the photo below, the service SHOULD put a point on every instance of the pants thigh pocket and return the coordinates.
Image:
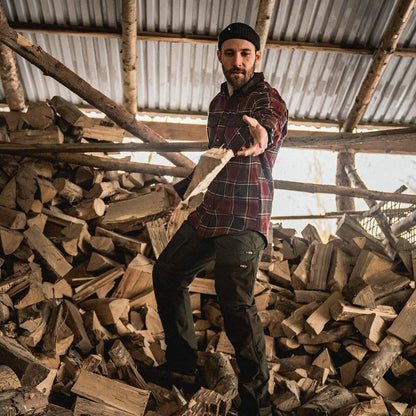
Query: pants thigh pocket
(236, 269)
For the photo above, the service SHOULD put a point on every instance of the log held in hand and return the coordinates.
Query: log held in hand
(52, 67)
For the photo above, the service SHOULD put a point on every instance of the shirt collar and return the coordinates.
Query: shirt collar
(247, 88)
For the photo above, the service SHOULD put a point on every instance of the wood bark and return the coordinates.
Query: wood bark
(22, 401)
(378, 364)
(10, 79)
(52, 67)
(68, 190)
(8, 379)
(344, 202)
(331, 398)
(129, 54)
(264, 15)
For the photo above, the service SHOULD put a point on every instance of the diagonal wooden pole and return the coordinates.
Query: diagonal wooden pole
(379, 62)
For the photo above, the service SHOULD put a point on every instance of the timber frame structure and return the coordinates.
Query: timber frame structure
(392, 138)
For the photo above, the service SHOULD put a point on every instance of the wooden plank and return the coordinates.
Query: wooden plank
(111, 393)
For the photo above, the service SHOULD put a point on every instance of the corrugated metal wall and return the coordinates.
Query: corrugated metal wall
(184, 77)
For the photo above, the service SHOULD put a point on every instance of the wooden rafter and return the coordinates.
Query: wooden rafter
(52, 67)
(264, 15)
(398, 140)
(73, 30)
(129, 54)
(10, 79)
(379, 62)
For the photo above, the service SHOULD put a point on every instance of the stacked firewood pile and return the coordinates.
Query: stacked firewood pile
(80, 333)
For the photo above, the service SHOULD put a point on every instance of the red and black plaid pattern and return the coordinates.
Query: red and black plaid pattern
(241, 196)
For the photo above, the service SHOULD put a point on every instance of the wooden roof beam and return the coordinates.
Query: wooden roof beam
(129, 54)
(10, 79)
(73, 30)
(380, 60)
(264, 15)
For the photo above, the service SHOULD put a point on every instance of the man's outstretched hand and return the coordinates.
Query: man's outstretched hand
(260, 138)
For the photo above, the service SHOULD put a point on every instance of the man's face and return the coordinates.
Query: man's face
(238, 58)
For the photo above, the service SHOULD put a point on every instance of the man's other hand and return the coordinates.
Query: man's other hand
(260, 138)
(174, 198)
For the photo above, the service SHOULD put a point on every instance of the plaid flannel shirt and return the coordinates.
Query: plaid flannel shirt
(241, 196)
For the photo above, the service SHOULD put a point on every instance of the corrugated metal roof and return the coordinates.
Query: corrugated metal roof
(184, 77)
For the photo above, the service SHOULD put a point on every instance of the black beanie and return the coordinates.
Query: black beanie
(239, 31)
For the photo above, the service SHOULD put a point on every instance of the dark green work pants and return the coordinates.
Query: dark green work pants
(236, 262)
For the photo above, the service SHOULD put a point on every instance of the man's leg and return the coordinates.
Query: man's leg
(237, 257)
(185, 255)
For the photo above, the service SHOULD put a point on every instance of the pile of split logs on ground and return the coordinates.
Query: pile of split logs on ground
(78, 318)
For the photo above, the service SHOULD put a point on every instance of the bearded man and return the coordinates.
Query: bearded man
(231, 224)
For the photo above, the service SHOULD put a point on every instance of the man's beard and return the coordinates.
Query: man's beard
(239, 82)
